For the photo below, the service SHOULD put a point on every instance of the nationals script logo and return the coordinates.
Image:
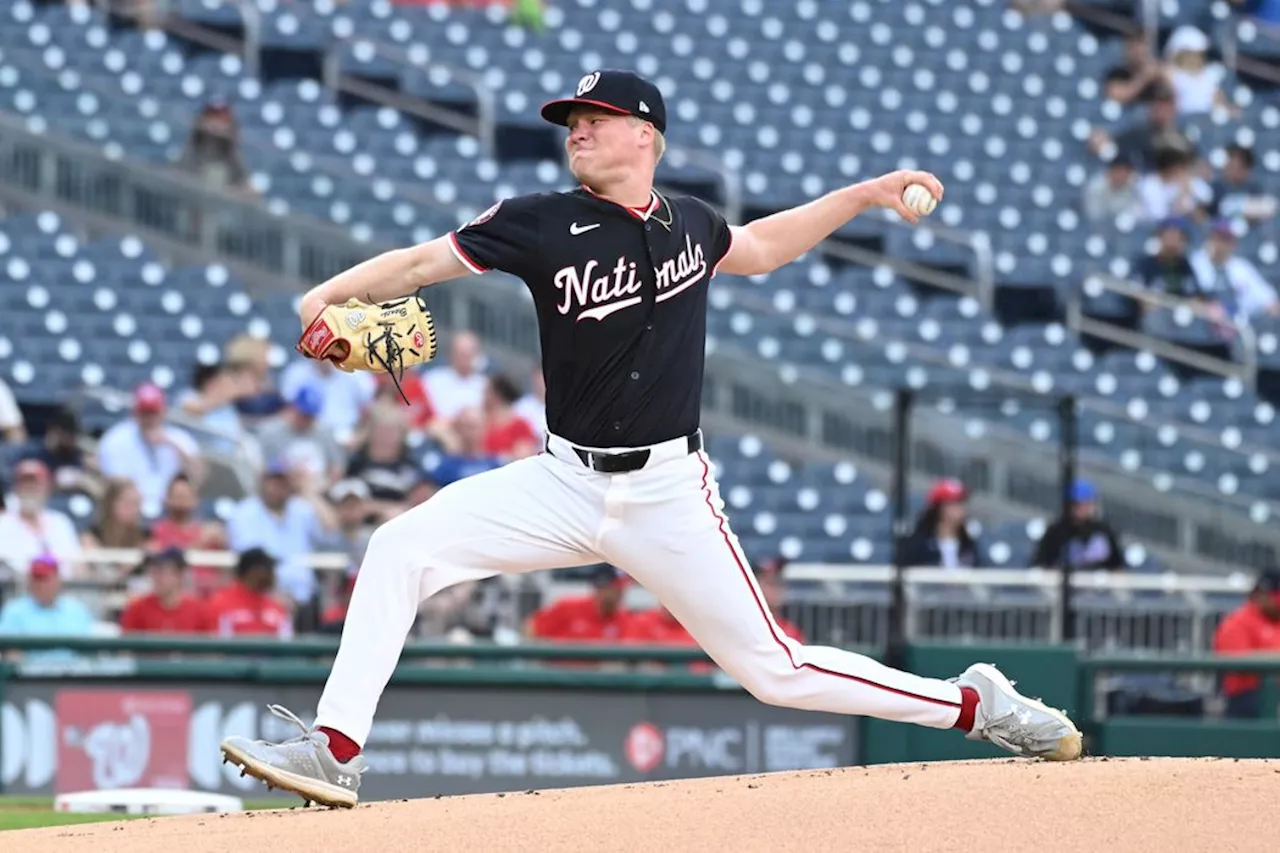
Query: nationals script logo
(600, 293)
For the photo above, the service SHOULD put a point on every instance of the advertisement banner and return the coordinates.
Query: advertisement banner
(61, 736)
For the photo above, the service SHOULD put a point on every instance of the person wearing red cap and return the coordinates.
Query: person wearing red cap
(941, 536)
(146, 450)
(44, 611)
(1251, 629)
(29, 528)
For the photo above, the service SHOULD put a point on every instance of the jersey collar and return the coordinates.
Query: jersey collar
(641, 213)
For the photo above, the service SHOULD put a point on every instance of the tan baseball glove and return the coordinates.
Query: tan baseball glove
(384, 337)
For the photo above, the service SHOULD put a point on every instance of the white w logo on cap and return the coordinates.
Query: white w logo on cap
(586, 84)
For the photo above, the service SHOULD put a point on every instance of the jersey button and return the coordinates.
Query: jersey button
(648, 227)
(649, 327)
(635, 374)
(617, 425)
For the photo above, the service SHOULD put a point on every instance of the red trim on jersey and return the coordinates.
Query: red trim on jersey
(463, 256)
(641, 213)
(774, 630)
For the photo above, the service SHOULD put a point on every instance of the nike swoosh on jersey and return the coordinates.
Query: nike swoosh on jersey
(575, 229)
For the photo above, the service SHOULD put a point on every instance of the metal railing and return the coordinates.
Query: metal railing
(851, 605)
(180, 213)
(1246, 369)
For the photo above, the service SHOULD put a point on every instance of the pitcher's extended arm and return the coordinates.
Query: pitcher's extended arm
(774, 241)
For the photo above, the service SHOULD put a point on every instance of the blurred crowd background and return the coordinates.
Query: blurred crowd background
(1169, 182)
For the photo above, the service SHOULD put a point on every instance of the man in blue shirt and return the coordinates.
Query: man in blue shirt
(286, 522)
(469, 459)
(44, 611)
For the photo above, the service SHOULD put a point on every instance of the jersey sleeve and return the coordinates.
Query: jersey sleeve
(721, 237)
(505, 237)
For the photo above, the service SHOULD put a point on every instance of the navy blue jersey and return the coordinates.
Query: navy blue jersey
(621, 297)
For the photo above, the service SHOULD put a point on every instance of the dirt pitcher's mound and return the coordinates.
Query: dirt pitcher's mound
(1130, 805)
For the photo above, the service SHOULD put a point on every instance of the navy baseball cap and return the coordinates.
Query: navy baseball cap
(622, 92)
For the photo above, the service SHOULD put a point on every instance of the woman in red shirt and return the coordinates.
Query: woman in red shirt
(506, 434)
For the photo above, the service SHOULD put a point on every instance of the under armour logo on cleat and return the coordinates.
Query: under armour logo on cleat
(344, 781)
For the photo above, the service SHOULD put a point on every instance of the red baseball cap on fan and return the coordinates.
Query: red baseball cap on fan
(148, 397)
(947, 491)
(43, 566)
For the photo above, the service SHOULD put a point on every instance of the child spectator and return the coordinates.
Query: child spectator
(1197, 83)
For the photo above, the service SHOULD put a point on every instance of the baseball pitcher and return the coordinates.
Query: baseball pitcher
(619, 275)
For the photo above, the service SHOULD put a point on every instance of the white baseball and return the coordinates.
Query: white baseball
(918, 199)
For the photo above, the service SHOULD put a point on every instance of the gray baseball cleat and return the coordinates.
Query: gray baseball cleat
(1022, 725)
(303, 765)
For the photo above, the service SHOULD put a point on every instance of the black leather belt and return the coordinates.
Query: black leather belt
(631, 460)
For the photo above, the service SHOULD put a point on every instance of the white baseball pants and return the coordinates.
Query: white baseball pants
(664, 525)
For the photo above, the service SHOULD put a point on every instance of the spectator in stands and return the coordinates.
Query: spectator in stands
(1237, 194)
(506, 434)
(1141, 141)
(1251, 629)
(1174, 189)
(598, 616)
(13, 428)
(659, 627)
(468, 457)
(169, 608)
(1113, 192)
(1080, 540)
(422, 415)
(181, 527)
(1230, 279)
(350, 535)
(334, 615)
(346, 395)
(295, 435)
(1169, 270)
(211, 400)
(59, 449)
(248, 607)
(213, 149)
(941, 537)
(29, 528)
(146, 450)
(460, 384)
(1138, 76)
(286, 522)
(119, 522)
(45, 611)
(252, 357)
(1196, 82)
(533, 405)
(422, 491)
(769, 574)
(383, 461)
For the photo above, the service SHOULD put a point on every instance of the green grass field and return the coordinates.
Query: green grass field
(34, 812)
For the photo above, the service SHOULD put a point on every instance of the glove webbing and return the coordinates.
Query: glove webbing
(393, 359)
